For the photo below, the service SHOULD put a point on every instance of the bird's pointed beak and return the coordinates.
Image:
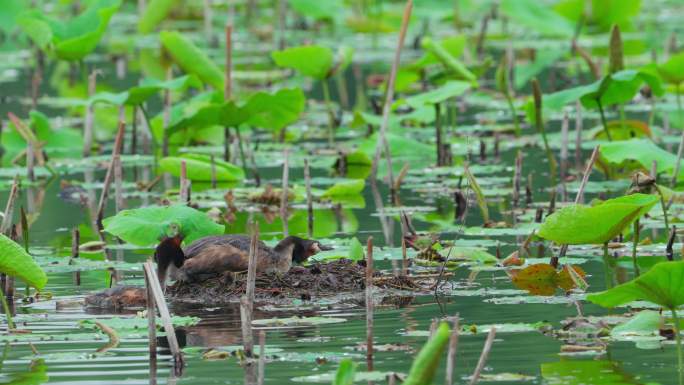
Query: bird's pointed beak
(323, 247)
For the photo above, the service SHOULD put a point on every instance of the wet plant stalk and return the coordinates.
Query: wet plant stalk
(283, 196)
(608, 266)
(118, 184)
(451, 352)
(213, 171)
(6, 308)
(438, 134)
(517, 173)
(578, 134)
(261, 365)
(309, 199)
(75, 241)
(151, 322)
(514, 115)
(540, 129)
(165, 316)
(118, 143)
(184, 198)
(635, 241)
(331, 113)
(382, 143)
(247, 300)
(90, 116)
(369, 304)
(603, 120)
(564, 147)
(669, 251)
(678, 338)
(483, 357)
(680, 151)
(404, 257)
(228, 89)
(663, 204)
(9, 208)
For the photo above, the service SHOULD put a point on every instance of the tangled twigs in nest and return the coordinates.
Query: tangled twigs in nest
(341, 276)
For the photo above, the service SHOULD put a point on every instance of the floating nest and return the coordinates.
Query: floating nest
(339, 280)
(341, 277)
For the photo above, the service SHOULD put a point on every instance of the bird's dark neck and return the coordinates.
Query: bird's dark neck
(168, 251)
(285, 247)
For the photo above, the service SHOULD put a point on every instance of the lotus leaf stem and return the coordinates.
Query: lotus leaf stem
(635, 241)
(608, 266)
(540, 129)
(331, 114)
(680, 150)
(8, 313)
(514, 114)
(678, 338)
(663, 204)
(155, 146)
(603, 120)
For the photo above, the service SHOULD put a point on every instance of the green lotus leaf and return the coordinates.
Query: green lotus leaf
(346, 188)
(538, 17)
(444, 92)
(191, 59)
(663, 285)
(146, 226)
(199, 168)
(155, 12)
(671, 70)
(16, 262)
(275, 111)
(643, 151)
(73, 39)
(310, 60)
(136, 96)
(580, 224)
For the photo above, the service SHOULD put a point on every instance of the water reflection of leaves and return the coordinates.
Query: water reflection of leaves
(37, 374)
(573, 372)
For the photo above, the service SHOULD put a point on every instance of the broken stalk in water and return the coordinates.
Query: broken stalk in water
(369, 304)
(285, 192)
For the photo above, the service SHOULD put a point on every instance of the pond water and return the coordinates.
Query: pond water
(530, 336)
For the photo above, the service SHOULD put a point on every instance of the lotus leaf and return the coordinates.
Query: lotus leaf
(16, 262)
(580, 224)
(146, 226)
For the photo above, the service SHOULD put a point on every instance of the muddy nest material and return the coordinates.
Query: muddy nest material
(320, 280)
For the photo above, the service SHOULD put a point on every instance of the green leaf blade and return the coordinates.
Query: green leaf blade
(309, 60)
(191, 59)
(16, 262)
(146, 226)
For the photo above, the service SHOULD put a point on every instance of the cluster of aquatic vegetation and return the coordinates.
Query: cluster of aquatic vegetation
(126, 123)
